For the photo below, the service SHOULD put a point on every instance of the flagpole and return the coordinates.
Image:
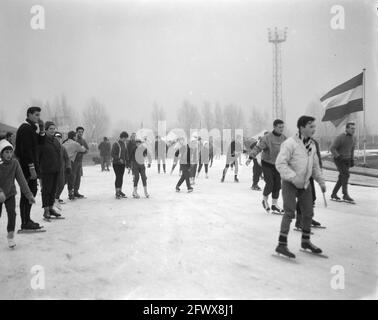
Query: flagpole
(364, 114)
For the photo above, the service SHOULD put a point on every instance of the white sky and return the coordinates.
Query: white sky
(128, 54)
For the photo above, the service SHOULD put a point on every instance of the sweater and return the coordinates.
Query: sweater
(120, 152)
(269, 145)
(73, 148)
(343, 147)
(297, 162)
(9, 172)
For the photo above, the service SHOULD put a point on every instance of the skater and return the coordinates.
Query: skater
(194, 148)
(342, 150)
(105, 150)
(27, 139)
(233, 152)
(138, 153)
(10, 170)
(65, 171)
(160, 153)
(296, 162)
(120, 156)
(73, 148)
(204, 156)
(314, 223)
(78, 167)
(183, 154)
(211, 151)
(50, 166)
(270, 146)
(257, 170)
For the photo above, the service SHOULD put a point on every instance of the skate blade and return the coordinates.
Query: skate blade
(318, 227)
(308, 251)
(47, 219)
(31, 231)
(57, 218)
(283, 257)
(276, 213)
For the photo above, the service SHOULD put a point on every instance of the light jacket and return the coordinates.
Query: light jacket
(73, 148)
(297, 164)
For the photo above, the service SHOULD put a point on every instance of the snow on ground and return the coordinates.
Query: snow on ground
(216, 243)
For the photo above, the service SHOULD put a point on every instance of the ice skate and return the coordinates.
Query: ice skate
(146, 194)
(256, 188)
(135, 194)
(265, 205)
(177, 189)
(122, 194)
(307, 245)
(276, 209)
(282, 249)
(11, 242)
(236, 178)
(348, 199)
(190, 190)
(334, 197)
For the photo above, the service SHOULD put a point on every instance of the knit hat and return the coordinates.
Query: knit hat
(48, 124)
(4, 145)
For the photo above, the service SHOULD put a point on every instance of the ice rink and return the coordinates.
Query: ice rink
(216, 243)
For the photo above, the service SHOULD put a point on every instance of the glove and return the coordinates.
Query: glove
(68, 171)
(41, 126)
(323, 188)
(31, 200)
(33, 173)
(248, 162)
(2, 197)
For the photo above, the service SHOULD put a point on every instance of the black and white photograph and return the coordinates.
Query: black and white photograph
(188, 150)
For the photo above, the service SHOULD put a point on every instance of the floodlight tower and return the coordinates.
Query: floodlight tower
(277, 37)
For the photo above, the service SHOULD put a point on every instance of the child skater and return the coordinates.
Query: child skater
(10, 170)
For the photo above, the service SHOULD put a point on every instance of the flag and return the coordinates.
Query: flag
(343, 100)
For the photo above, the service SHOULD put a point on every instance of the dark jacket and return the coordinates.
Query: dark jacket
(49, 152)
(27, 140)
(183, 154)
(120, 153)
(105, 148)
(65, 162)
(318, 153)
(79, 156)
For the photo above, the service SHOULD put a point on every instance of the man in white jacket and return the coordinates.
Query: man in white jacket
(296, 162)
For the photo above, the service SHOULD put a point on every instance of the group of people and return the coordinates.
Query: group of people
(291, 164)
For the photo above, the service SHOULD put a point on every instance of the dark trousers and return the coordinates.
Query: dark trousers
(25, 206)
(342, 182)
(49, 186)
(206, 165)
(119, 170)
(257, 171)
(185, 175)
(211, 159)
(105, 162)
(298, 221)
(159, 161)
(78, 172)
(272, 180)
(193, 170)
(61, 183)
(139, 171)
(10, 206)
(292, 197)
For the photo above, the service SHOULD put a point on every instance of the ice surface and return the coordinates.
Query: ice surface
(216, 243)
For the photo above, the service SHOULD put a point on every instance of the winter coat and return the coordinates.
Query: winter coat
(49, 155)
(9, 172)
(297, 164)
(26, 151)
(73, 148)
(343, 147)
(79, 155)
(105, 148)
(120, 153)
(269, 145)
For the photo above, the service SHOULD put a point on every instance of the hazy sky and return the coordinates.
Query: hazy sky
(128, 54)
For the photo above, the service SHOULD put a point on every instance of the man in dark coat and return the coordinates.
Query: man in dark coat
(105, 149)
(27, 139)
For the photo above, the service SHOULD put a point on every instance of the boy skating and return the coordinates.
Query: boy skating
(296, 162)
(182, 154)
(342, 150)
(10, 170)
(233, 152)
(270, 147)
(121, 159)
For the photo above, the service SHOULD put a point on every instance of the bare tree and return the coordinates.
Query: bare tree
(258, 120)
(158, 114)
(188, 116)
(218, 117)
(207, 116)
(96, 120)
(233, 117)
